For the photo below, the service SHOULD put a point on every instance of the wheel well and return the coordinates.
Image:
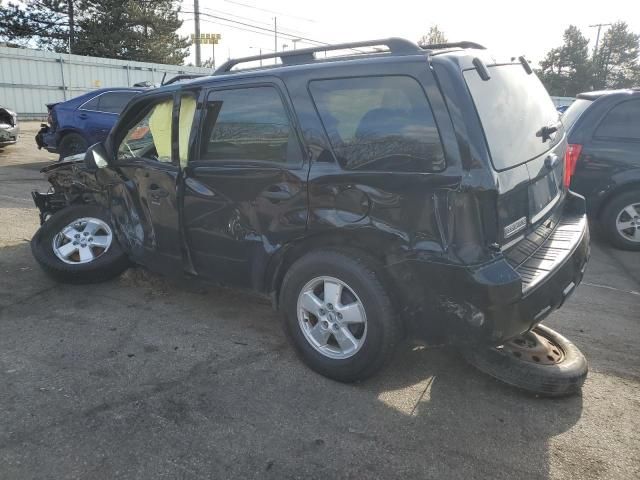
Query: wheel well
(66, 132)
(627, 187)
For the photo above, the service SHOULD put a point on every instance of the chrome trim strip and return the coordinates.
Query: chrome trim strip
(546, 209)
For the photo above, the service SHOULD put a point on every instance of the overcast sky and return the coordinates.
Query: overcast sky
(509, 28)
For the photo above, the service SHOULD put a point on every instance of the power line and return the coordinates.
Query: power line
(254, 20)
(217, 17)
(270, 11)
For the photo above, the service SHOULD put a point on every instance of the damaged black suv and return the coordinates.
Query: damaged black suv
(372, 195)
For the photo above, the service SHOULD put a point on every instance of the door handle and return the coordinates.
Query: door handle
(277, 192)
(83, 116)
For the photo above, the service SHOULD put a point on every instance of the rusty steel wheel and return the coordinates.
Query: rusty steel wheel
(540, 361)
(535, 348)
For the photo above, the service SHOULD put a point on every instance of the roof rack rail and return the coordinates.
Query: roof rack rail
(463, 44)
(180, 77)
(396, 46)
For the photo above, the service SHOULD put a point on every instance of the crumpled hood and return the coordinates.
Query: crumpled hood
(8, 118)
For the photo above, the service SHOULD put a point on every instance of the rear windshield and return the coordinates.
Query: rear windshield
(513, 106)
(572, 114)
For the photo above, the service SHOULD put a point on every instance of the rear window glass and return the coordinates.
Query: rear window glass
(513, 106)
(379, 123)
(572, 114)
(622, 121)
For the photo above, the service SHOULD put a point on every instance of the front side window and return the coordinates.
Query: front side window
(150, 137)
(249, 124)
(379, 123)
(622, 121)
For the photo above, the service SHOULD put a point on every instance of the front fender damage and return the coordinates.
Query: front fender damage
(71, 184)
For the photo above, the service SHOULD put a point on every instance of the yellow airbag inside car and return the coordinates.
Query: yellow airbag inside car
(160, 126)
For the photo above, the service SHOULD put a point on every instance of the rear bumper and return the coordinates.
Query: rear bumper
(46, 139)
(501, 299)
(549, 275)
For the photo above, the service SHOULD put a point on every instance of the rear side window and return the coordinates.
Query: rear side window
(513, 106)
(622, 121)
(379, 123)
(249, 124)
(110, 102)
(114, 102)
(92, 104)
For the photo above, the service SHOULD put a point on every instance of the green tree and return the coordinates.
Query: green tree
(566, 70)
(127, 30)
(42, 23)
(616, 61)
(434, 36)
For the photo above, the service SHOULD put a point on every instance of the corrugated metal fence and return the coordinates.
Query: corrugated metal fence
(31, 78)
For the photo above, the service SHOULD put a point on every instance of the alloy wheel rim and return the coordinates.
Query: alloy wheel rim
(82, 241)
(332, 317)
(628, 222)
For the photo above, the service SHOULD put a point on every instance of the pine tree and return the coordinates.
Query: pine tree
(617, 59)
(566, 70)
(127, 30)
(44, 23)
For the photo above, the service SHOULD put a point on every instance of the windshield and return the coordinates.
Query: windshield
(572, 113)
(513, 107)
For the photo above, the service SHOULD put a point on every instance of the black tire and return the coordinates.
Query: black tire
(556, 380)
(71, 144)
(109, 264)
(360, 273)
(609, 217)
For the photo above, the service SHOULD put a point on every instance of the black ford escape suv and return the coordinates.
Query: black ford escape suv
(417, 190)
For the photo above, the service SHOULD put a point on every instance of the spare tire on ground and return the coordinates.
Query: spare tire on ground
(540, 361)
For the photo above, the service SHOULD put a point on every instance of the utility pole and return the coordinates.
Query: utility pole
(196, 21)
(599, 25)
(70, 13)
(275, 37)
(596, 62)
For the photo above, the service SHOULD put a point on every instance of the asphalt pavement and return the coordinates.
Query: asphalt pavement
(143, 378)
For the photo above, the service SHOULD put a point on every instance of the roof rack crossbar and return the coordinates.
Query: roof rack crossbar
(463, 44)
(396, 46)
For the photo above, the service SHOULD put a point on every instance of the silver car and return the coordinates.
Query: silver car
(9, 128)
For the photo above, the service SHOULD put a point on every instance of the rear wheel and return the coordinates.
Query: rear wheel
(71, 144)
(621, 220)
(338, 315)
(78, 245)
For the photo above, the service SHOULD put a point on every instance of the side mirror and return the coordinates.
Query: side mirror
(96, 157)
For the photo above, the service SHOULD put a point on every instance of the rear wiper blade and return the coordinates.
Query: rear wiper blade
(548, 130)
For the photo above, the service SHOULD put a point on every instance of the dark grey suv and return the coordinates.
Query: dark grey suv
(411, 191)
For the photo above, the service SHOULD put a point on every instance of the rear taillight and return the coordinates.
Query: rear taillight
(570, 160)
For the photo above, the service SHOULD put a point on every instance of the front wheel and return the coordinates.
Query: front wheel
(338, 314)
(78, 245)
